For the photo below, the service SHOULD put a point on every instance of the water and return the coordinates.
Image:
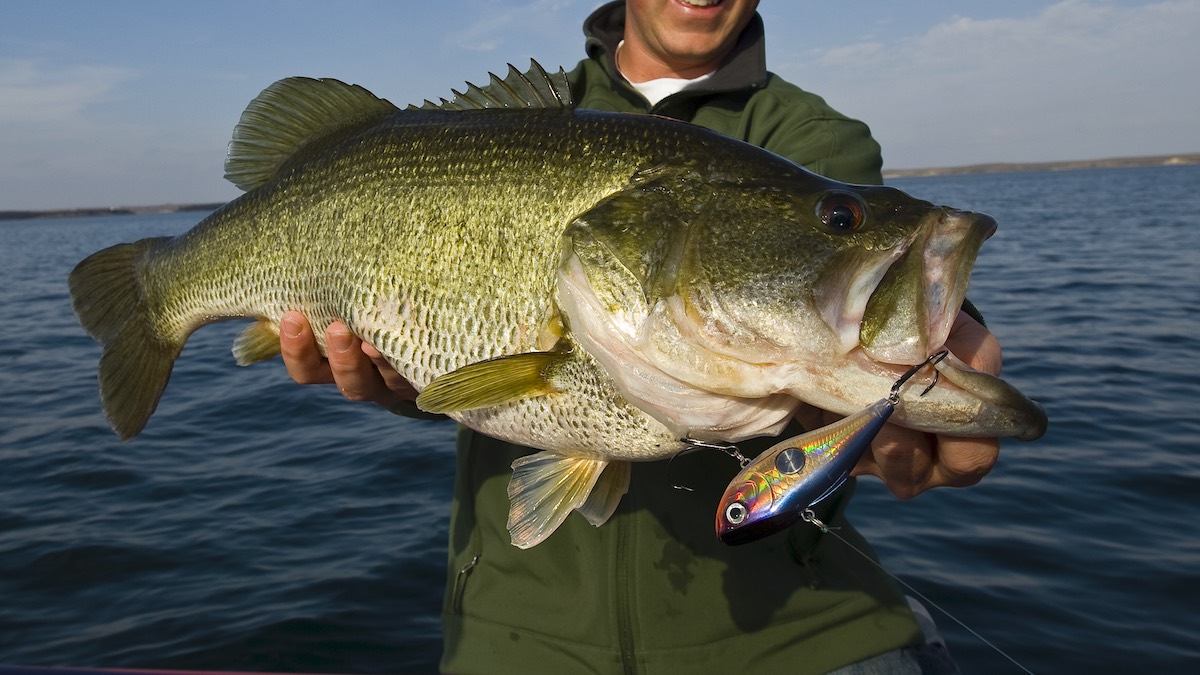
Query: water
(256, 524)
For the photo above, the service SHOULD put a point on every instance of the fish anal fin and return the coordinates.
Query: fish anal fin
(493, 382)
(606, 495)
(259, 342)
(293, 118)
(545, 487)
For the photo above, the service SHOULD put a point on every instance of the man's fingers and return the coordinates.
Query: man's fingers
(298, 346)
(964, 461)
(354, 373)
(904, 459)
(974, 344)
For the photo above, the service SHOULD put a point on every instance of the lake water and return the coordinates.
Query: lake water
(256, 524)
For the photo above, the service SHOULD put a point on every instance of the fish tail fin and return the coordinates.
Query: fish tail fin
(136, 362)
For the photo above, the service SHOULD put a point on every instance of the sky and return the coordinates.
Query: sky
(127, 103)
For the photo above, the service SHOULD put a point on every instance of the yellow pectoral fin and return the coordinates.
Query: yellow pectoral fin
(259, 342)
(545, 487)
(493, 382)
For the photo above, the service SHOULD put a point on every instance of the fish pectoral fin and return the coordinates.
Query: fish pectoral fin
(545, 487)
(493, 382)
(602, 501)
(259, 342)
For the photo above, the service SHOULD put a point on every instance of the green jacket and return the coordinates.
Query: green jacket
(653, 590)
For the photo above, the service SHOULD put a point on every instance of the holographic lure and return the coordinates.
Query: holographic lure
(775, 489)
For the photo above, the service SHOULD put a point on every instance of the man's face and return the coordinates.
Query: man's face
(687, 34)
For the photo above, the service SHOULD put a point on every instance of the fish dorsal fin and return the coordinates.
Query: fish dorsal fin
(531, 90)
(292, 118)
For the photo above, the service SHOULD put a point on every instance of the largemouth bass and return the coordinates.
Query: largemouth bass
(599, 286)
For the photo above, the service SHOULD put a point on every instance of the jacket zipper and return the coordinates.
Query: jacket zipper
(476, 540)
(625, 588)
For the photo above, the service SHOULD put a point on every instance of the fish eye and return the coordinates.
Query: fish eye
(735, 513)
(842, 211)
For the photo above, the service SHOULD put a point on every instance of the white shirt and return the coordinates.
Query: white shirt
(656, 90)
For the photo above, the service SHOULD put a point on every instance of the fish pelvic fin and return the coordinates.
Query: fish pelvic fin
(606, 495)
(137, 359)
(493, 382)
(294, 118)
(545, 487)
(259, 342)
(533, 89)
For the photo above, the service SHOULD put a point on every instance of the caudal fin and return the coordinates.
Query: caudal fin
(136, 362)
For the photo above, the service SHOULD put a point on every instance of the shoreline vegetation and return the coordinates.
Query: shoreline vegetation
(996, 167)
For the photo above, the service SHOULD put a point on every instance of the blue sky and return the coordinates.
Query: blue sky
(132, 102)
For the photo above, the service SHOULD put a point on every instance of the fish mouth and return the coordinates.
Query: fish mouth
(1003, 404)
(898, 305)
(894, 309)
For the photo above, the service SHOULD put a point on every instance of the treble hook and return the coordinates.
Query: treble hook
(894, 395)
(694, 445)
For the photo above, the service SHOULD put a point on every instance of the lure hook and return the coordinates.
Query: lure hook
(894, 395)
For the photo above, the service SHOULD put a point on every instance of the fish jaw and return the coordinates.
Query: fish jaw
(1004, 407)
(964, 401)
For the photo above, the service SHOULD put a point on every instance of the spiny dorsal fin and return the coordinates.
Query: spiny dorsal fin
(531, 90)
(293, 117)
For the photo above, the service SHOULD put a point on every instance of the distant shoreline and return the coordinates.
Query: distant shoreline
(1010, 167)
(109, 211)
(996, 167)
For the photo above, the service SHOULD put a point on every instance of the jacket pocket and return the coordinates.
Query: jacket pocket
(460, 584)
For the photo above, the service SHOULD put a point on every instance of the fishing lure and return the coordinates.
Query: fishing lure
(778, 487)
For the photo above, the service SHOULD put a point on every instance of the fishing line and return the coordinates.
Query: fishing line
(809, 517)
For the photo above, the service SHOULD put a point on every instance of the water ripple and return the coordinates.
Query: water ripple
(259, 525)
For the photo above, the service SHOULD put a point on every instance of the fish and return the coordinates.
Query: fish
(598, 286)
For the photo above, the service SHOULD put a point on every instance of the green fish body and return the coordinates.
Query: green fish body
(599, 286)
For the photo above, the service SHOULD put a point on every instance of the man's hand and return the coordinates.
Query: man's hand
(358, 369)
(911, 462)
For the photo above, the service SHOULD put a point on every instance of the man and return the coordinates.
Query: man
(653, 590)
